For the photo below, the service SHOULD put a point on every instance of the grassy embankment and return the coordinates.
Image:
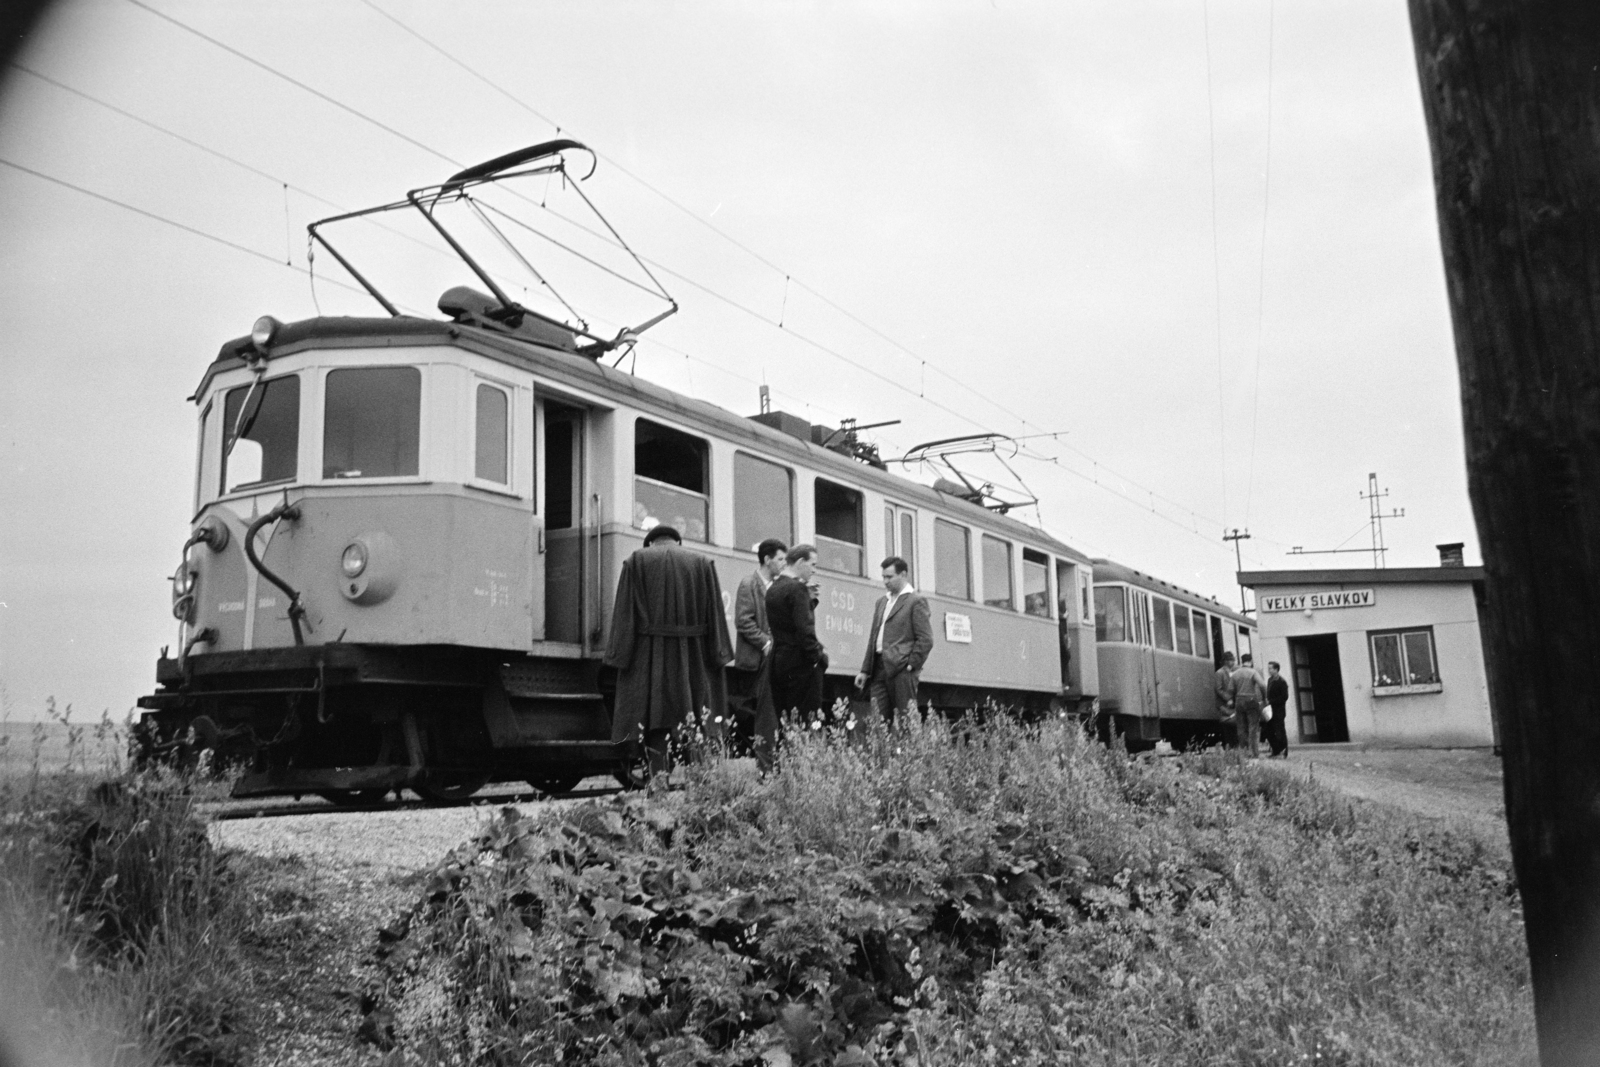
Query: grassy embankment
(120, 926)
(964, 895)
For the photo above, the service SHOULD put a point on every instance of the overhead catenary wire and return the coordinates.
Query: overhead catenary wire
(923, 365)
(196, 231)
(1216, 264)
(1261, 291)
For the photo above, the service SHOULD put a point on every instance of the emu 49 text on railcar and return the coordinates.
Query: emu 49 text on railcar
(408, 529)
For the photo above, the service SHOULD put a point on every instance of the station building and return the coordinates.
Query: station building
(1389, 657)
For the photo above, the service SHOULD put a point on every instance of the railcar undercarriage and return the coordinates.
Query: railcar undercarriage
(352, 723)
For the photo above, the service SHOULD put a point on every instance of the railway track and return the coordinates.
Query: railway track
(489, 796)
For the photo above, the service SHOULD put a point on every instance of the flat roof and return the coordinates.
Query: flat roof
(1346, 576)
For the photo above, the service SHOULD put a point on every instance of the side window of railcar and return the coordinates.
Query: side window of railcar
(841, 534)
(763, 501)
(1110, 613)
(1035, 583)
(1141, 617)
(1202, 635)
(669, 484)
(900, 535)
(997, 573)
(952, 560)
(261, 433)
(1180, 629)
(371, 422)
(492, 432)
(202, 460)
(1244, 641)
(1162, 611)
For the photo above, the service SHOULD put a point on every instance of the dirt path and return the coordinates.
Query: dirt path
(1460, 785)
(326, 882)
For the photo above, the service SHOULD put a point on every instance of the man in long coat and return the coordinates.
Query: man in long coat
(669, 643)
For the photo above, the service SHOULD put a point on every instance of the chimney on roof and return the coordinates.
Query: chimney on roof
(1450, 555)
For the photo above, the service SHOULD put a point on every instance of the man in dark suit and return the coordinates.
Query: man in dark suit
(749, 688)
(798, 658)
(898, 642)
(1278, 699)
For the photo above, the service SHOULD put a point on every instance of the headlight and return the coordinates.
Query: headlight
(354, 559)
(183, 581)
(263, 331)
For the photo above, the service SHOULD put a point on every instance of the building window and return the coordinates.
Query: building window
(261, 434)
(952, 560)
(997, 573)
(1035, 583)
(491, 462)
(763, 502)
(840, 540)
(1180, 629)
(669, 483)
(371, 419)
(1404, 661)
(1110, 613)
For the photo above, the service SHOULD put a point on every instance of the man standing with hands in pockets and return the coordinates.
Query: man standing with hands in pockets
(897, 644)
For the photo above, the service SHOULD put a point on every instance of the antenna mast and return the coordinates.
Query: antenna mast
(1375, 517)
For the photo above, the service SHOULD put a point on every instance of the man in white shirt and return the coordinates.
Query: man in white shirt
(898, 642)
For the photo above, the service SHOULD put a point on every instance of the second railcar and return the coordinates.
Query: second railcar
(1159, 646)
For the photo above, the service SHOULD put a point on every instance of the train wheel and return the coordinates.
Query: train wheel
(552, 784)
(443, 786)
(354, 798)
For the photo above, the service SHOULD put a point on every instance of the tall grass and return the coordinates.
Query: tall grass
(119, 920)
(967, 893)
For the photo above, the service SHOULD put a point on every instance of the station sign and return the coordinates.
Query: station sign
(1344, 598)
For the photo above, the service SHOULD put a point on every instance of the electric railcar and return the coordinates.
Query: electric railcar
(407, 534)
(1158, 647)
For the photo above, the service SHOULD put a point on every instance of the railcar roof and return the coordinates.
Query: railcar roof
(1106, 570)
(566, 366)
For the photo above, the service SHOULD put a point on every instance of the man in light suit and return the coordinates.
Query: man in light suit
(749, 689)
(897, 644)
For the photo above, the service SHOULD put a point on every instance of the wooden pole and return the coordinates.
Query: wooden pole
(1511, 91)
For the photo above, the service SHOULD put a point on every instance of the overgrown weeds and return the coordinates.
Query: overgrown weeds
(121, 917)
(962, 893)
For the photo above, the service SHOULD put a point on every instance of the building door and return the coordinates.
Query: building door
(1318, 688)
(563, 540)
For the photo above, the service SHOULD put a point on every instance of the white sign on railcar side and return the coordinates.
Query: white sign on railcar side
(957, 628)
(1344, 598)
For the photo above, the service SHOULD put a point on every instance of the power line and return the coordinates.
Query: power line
(1261, 288)
(1216, 265)
(798, 283)
(274, 260)
(297, 83)
(894, 383)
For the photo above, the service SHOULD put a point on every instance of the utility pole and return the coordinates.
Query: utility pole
(1508, 89)
(1238, 560)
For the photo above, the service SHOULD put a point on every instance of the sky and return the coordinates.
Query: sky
(1186, 249)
